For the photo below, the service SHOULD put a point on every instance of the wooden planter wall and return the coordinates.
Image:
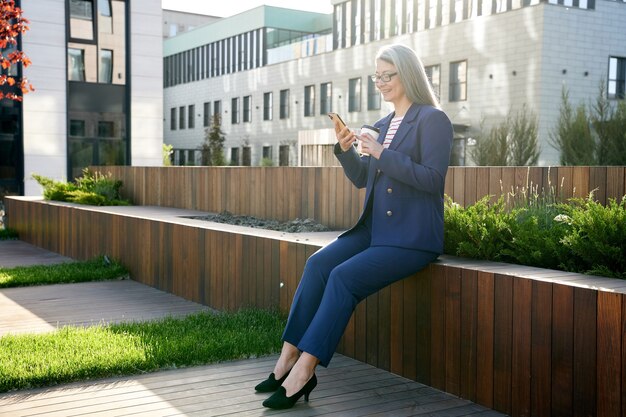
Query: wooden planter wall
(324, 193)
(505, 336)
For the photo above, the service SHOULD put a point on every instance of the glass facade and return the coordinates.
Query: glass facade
(96, 57)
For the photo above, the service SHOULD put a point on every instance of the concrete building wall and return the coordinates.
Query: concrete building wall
(44, 111)
(146, 55)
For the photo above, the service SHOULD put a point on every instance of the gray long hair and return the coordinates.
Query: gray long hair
(411, 72)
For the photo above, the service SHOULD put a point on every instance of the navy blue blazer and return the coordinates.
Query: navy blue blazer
(407, 207)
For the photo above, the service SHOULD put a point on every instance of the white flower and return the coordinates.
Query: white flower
(563, 218)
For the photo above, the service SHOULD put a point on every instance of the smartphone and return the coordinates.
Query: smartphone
(339, 124)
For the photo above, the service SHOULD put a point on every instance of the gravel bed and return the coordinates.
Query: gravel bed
(292, 226)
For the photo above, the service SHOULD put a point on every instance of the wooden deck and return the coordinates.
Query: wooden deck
(347, 388)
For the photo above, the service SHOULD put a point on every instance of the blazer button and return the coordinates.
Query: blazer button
(389, 191)
(389, 213)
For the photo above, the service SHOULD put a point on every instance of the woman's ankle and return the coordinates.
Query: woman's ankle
(285, 362)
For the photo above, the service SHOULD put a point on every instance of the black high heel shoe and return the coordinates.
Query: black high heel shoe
(280, 401)
(271, 384)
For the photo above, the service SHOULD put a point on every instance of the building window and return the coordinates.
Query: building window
(234, 116)
(267, 152)
(217, 107)
(247, 109)
(326, 98)
(181, 117)
(309, 100)
(81, 9)
(284, 104)
(267, 106)
(434, 76)
(106, 129)
(458, 81)
(191, 117)
(617, 78)
(206, 116)
(76, 64)
(354, 95)
(81, 19)
(373, 96)
(105, 74)
(246, 156)
(173, 118)
(77, 128)
(234, 156)
(283, 155)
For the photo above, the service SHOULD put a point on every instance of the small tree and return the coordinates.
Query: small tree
(12, 25)
(523, 140)
(490, 148)
(609, 125)
(212, 149)
(513, 142)
(573, 136)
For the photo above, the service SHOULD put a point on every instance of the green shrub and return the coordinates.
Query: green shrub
(482, 230)
(581, 235)
(267, 162)
(597, 236)
(92, 188)
(8, 234)
(54, 190)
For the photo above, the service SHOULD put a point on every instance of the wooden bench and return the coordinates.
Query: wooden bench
(517, 339)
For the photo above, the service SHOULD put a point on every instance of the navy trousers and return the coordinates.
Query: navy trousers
(335, 279)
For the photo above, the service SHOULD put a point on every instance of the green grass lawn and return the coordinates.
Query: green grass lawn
(97, 269)
(75, 354)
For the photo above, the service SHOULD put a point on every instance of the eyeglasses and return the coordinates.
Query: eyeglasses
(385, 77)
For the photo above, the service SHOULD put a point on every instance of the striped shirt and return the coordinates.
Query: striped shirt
(393, 128)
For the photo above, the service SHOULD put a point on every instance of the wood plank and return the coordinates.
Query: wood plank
(485, 339)
(615, 182)
(482, 182)
(584, 359)
(495, 186)
(384, 332)
(609, 353)
(521, 356)
(541, 354)
(360, 332)
(470, 186)
(371, 330)
(503, 339)
(453, 331)
(458, 194)
(597, 183)
(437, 327)
(562, 349)
(396, 323)
(469, 328)
(418, 337)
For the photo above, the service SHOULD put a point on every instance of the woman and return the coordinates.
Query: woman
(399, 232)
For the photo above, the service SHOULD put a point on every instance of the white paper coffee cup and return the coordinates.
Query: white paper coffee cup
(370, 130)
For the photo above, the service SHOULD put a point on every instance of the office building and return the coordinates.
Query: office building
(273, 74)
(96, 67)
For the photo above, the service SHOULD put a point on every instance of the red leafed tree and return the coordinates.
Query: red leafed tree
(12, 24)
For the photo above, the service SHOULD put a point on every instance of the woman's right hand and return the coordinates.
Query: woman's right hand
(346, 138)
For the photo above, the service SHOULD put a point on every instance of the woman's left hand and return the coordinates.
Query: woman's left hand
(370, 146)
